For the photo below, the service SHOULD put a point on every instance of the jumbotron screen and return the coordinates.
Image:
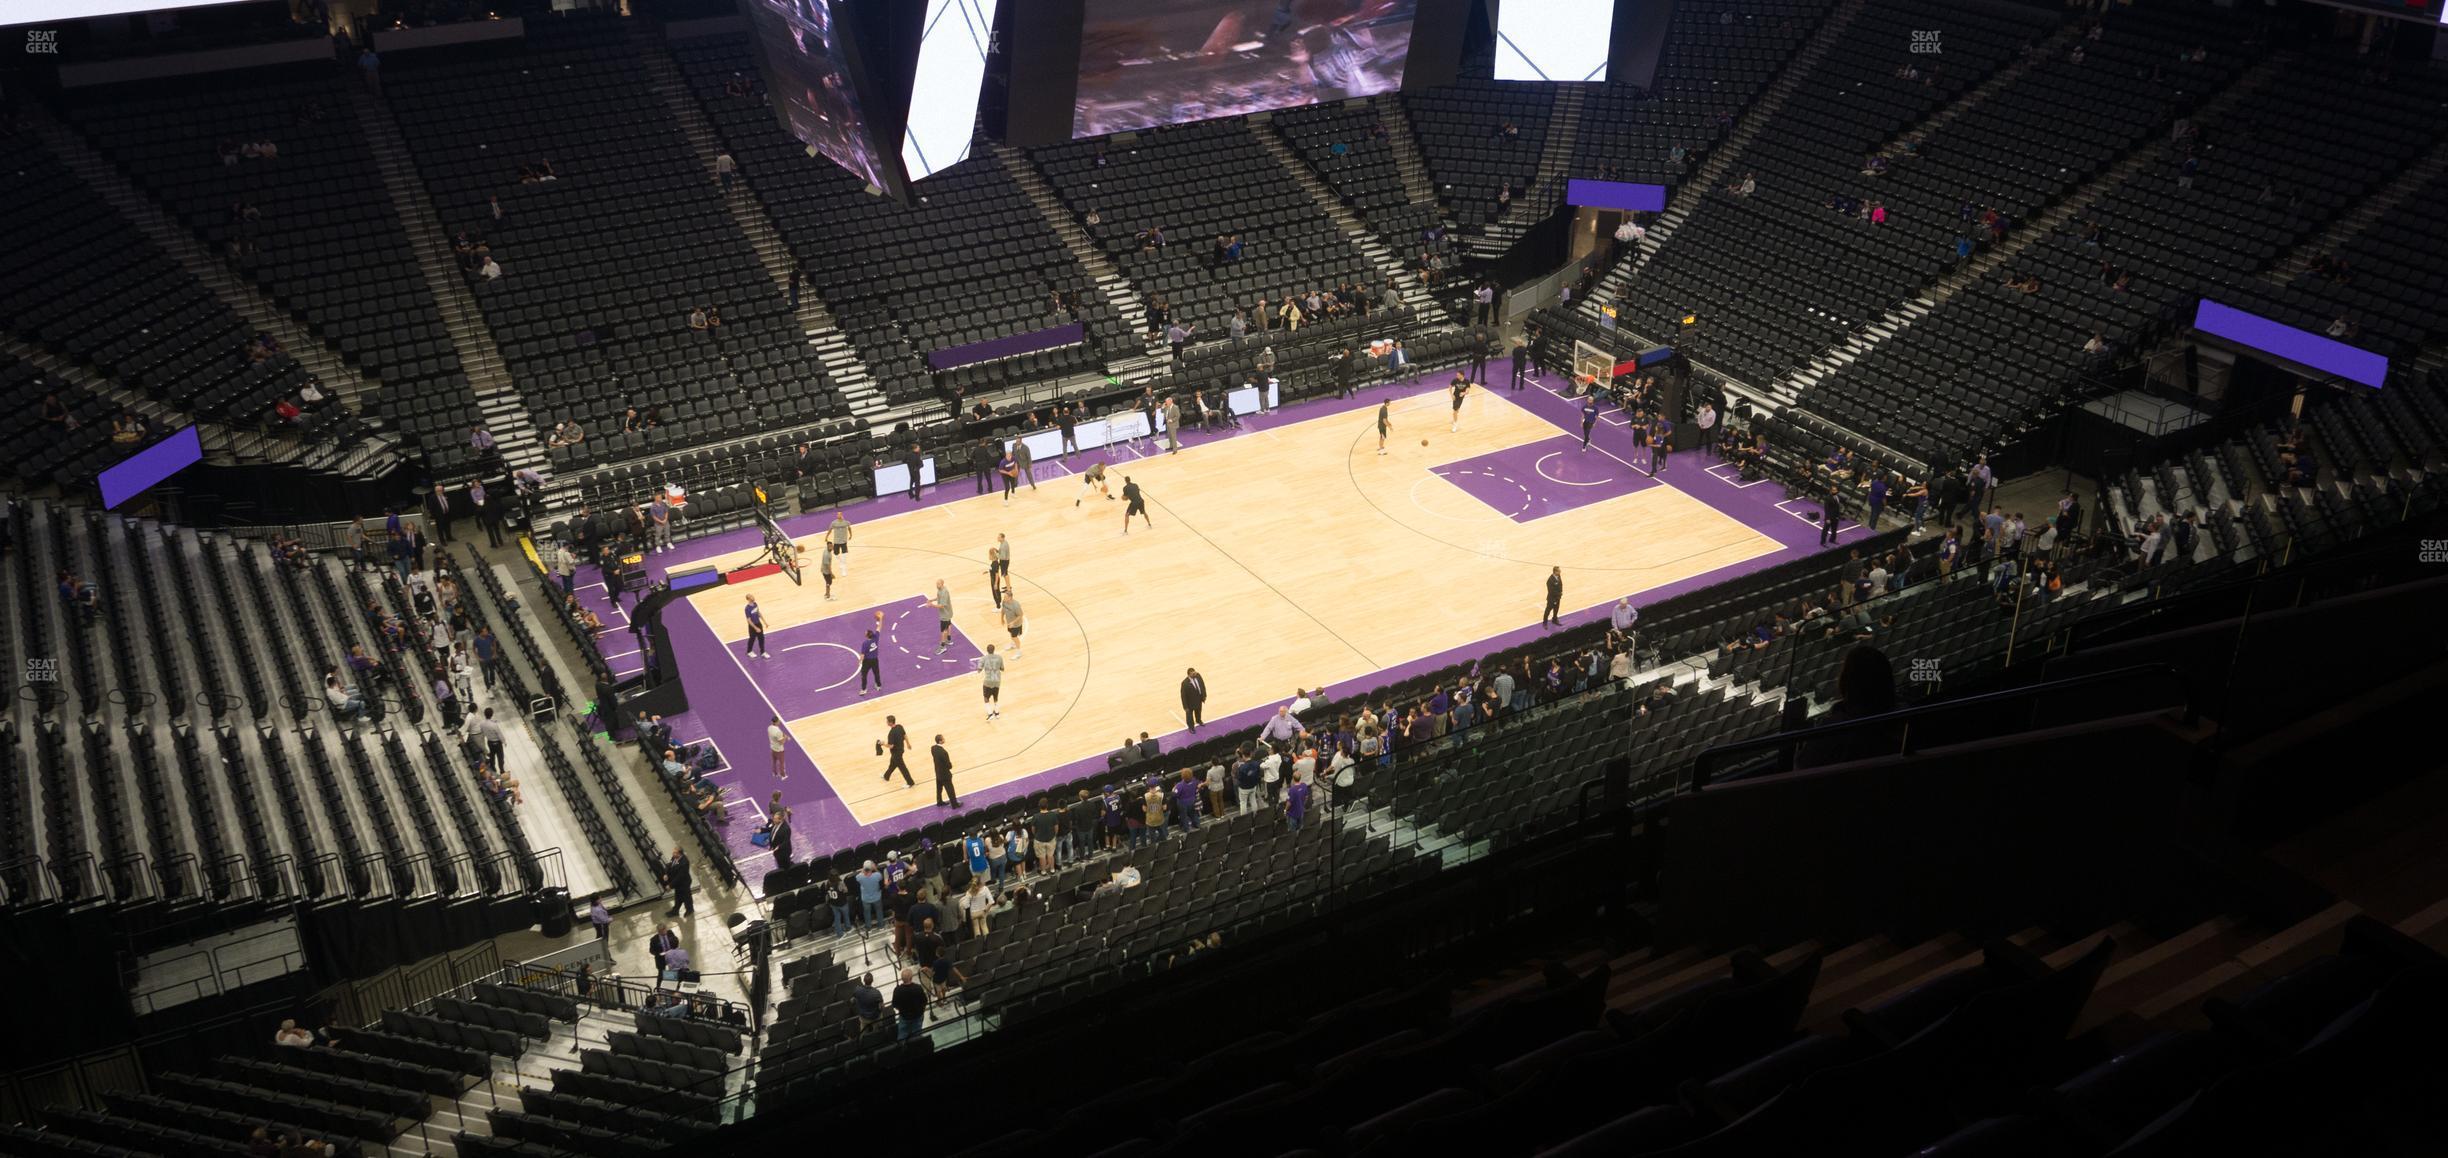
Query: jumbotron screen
(808, 72)
(952, 49)
(1144, 64)
(1558, 40)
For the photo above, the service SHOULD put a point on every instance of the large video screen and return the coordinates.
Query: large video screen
(1559, 40)
(1144, 64)
(809, 74)
(952, 49)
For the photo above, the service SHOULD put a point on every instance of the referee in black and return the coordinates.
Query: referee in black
(1555, 599)
(896, 741)
(1136, 505)
(1521, 361)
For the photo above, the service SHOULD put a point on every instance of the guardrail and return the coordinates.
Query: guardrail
(1911, 729)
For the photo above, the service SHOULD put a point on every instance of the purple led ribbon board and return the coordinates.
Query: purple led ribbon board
(138, 472)
(1630, 196)
(1005, 347)
(2302, 347)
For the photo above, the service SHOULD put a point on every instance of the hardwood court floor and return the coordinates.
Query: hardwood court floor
(1284, 558)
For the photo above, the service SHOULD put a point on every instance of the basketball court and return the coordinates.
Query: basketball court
(1288, 554)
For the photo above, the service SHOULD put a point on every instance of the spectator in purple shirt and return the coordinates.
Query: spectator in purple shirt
(1186, 801)
(1296, 800)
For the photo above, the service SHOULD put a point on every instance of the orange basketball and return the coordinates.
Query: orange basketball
(1423, 442)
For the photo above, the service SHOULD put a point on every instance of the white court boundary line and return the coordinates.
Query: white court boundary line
(1841, 525)
(1711, 471)
(854, 656)
(1541, 467)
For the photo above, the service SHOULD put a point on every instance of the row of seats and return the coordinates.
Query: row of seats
(1458, 130)
(613, 1116)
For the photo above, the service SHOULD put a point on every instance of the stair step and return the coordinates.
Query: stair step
(1828, 1001)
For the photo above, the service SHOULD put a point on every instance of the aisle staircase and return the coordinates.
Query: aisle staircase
(1109, 281)
(1716, 170)
(1415, 297)
(505, 412)
(1414, 171)
(2366, 213)
(1546, 190)
(860, 391)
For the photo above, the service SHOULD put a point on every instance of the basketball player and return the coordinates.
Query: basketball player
(756, 631)
(1461, 387)
(826, 569)
(1661, 435)
(868, 666)
(943, 617)
(1013, 621)
(1385, 423)
(1094, 480)
(1589, 419)
(1137, 505)
(837, 537)
(998, 563)
(990, 666)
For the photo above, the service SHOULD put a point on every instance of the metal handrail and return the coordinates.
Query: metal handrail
(1902, 719)
(320, 882)
(461, 868)
(41, 880)
(359, 864)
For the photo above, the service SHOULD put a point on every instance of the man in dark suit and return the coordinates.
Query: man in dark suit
(1148, 749)
(1480, 346)
(945, 795)
(663, 940)
(1831, 509)
(1521, 362)
(782, 839)
(676, 874)
(439, 510)
(1194, 699)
